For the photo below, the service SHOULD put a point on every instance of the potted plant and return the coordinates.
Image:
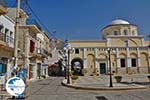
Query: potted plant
(97, 74)
(84, 71)
(43, 76)
(74, 77)
(92, 74)
(118, 78)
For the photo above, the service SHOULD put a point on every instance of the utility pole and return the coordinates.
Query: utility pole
(16, 34)
(16, 40)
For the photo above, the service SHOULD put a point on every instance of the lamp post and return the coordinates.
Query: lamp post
(65, 59)
(65, 67)
(68, 51)
(110, 84)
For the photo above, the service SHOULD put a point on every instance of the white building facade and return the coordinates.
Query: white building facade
(7, 26)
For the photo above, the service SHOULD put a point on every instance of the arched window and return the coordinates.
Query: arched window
(122, 62)
(133, 62)
(107, 33)
(125, 32)
(133, 32)
(115, 33)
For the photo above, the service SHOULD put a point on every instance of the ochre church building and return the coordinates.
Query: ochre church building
(121, 48)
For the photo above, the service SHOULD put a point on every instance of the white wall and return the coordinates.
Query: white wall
(9, 24)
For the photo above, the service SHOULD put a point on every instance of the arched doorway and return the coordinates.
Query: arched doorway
(144, 60)
(144, 63)
(90, 64)
(77, 66)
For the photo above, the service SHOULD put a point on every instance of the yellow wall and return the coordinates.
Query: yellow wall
(120, 30)
(116, 41)
(78, 44)
(120, 42)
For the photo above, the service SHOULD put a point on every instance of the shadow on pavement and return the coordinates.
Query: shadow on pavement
(139, 83)
(142, 83)
(101, 98)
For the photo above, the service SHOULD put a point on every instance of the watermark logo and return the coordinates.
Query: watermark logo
(15, 86)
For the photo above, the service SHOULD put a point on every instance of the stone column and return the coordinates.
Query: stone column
(84, 57)
(47, 71)
(138, 60)
(108, 67)
(128, 60)
(96, 57)
(130, 32)
(143, 42)
(118, 60)
(35, 76)
(108, 42)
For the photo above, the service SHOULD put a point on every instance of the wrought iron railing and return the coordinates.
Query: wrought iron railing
(7, 39)
(42, 51)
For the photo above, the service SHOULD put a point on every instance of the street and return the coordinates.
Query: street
(51, 89)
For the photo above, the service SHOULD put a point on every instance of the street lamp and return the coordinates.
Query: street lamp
(67, 54)
(66, 67)
(110, 84)
(65, 59)
(68, 51)
(67, 62)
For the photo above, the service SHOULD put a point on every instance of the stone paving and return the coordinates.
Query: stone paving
(135, 81)
(51, 89)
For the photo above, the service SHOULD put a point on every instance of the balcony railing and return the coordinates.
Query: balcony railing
(8, 40)
(42, 51)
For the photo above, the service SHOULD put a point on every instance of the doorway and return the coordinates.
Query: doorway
(38, 70)
(102, 68)
(77, 66)
(31, 71)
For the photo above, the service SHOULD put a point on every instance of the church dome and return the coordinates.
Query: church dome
(119, 21)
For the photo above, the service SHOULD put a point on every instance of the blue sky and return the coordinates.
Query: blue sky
(84, 19)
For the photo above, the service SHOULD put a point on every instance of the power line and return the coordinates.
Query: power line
(40, 20)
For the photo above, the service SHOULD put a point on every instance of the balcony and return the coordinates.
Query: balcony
(39, 53)
(33, 22)
(6, 40)
(3, 9)
(42, 52)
